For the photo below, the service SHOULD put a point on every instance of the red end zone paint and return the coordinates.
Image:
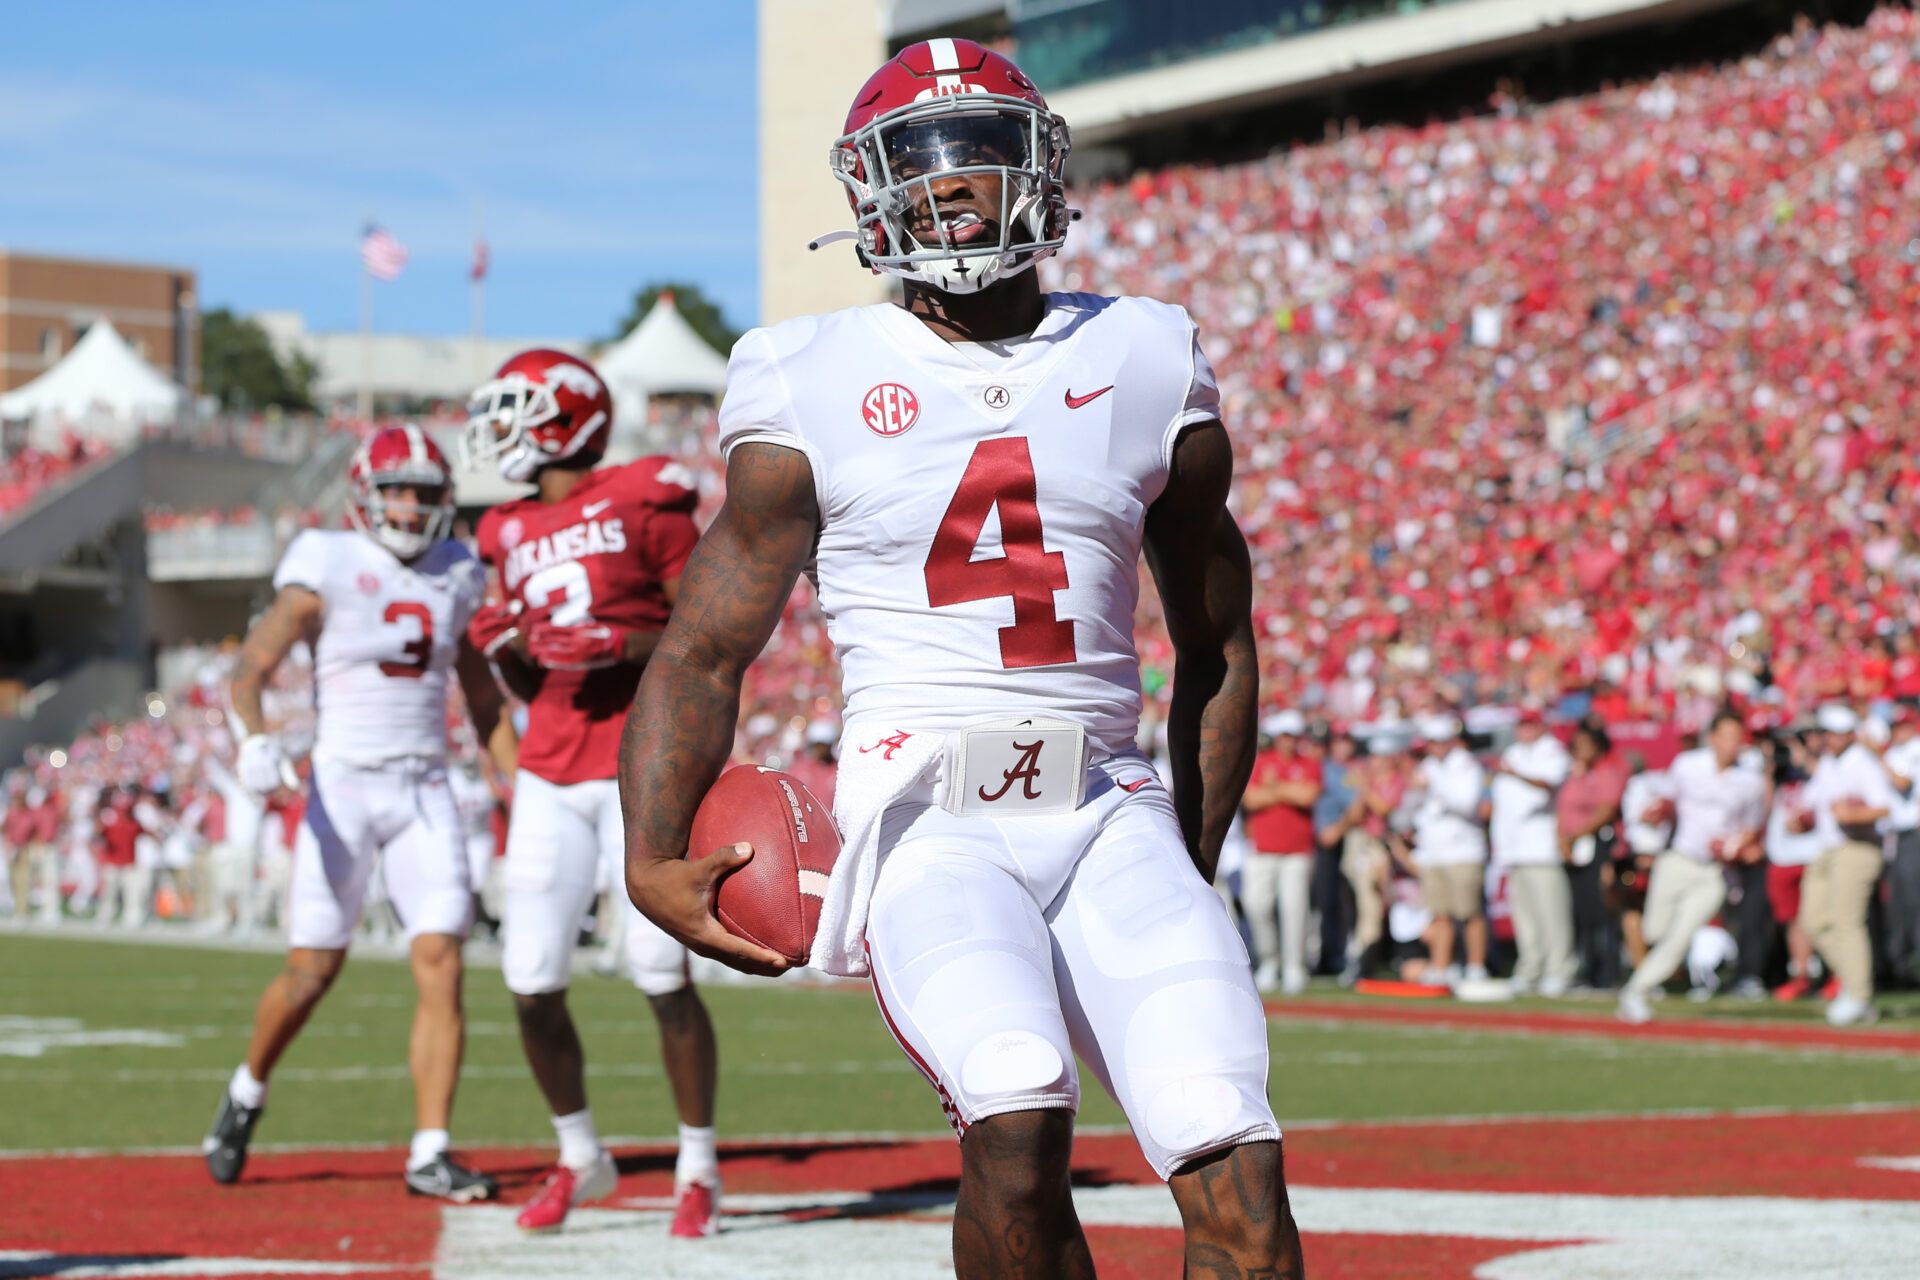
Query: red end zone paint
(349, 1207)
(1803, 1156)
(1794, 1035)
(331, 1207)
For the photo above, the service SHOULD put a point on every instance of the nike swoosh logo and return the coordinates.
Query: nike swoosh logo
(1135, 785)
(1074, 401)
(589, 512)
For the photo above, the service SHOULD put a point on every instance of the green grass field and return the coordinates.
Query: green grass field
(794, 1060)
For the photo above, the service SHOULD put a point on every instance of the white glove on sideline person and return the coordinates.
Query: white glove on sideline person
(262, 767)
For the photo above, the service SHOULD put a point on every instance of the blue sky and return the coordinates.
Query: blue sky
(611, 144)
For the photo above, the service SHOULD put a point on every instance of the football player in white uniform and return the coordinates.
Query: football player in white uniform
(385, 607)
(974, 475)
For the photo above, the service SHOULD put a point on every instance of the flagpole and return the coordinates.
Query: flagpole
(479, 292)
(366, 344)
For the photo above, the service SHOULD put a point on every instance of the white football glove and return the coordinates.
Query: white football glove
(262, 767)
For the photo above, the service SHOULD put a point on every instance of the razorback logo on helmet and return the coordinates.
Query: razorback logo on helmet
(542, 407)
(890, 409)
(575, 377)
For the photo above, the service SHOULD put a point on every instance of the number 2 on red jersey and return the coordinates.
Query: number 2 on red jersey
(1000, 473)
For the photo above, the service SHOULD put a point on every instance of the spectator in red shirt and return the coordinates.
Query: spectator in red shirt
(120, 881)
(17, 828)
(1279, 871)
(1589, 810)
(1904, 671)
(40, 852)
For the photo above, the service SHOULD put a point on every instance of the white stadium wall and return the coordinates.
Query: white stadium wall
(1371, 50)
(814, 54)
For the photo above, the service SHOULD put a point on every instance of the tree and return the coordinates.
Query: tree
(700, 311)
(240, 368)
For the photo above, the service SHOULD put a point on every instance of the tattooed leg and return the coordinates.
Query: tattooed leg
(1014, 1219)
(1238, 1222)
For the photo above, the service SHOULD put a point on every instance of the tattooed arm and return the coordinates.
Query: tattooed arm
(1199, 561)
(293, 616)
(680, 728)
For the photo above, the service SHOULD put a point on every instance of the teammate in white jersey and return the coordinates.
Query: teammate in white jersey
(385, 607)
(974, 476)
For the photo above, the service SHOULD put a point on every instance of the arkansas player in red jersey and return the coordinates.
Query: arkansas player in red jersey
(585, 571)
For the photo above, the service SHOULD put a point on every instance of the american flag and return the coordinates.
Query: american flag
(381, 255)
(479, 268)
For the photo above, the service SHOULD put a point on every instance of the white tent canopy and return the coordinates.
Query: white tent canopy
(662, 356)
(101, 378)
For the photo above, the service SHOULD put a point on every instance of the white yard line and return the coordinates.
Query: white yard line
(1617, 1237)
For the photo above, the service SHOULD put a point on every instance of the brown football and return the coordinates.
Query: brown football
(775, 899)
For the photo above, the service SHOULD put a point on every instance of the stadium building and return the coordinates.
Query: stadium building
(47, 304)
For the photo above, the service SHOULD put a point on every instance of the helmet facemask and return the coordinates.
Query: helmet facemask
(500, 415)
(375, 513)
(892, 165)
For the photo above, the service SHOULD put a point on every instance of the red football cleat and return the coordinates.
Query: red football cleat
(698, 1212)
(564, 1189)
(1792, 989)
(1831, 990)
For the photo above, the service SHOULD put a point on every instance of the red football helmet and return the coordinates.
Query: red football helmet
(392, 457)
(541, 407)
(938, 113)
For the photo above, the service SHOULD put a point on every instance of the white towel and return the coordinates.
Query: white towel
(877, 766)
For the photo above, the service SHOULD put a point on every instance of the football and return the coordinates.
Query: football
(775, 899)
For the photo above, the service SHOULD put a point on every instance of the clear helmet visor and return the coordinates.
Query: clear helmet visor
(406, 514)
(409, 506)
(918, 148)
(957, 191)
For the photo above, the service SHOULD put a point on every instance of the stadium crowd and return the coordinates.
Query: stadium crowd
(1594, 409)
(1602, 394)
(26, 472)
(1787, 861)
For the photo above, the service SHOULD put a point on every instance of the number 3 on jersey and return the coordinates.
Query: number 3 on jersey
(419, 650)
(1000, 473)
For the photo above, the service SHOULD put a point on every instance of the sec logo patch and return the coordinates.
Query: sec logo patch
(368, 583)
(890, 409)
(510, 532)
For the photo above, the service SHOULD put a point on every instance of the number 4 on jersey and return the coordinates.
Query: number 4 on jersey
(1000, 473)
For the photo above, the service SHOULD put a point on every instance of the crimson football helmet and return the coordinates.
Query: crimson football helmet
(392, 457)
(540, 408)
(942, 110)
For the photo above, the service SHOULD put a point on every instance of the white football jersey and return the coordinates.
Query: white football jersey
(387, 641)
(982, 514)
